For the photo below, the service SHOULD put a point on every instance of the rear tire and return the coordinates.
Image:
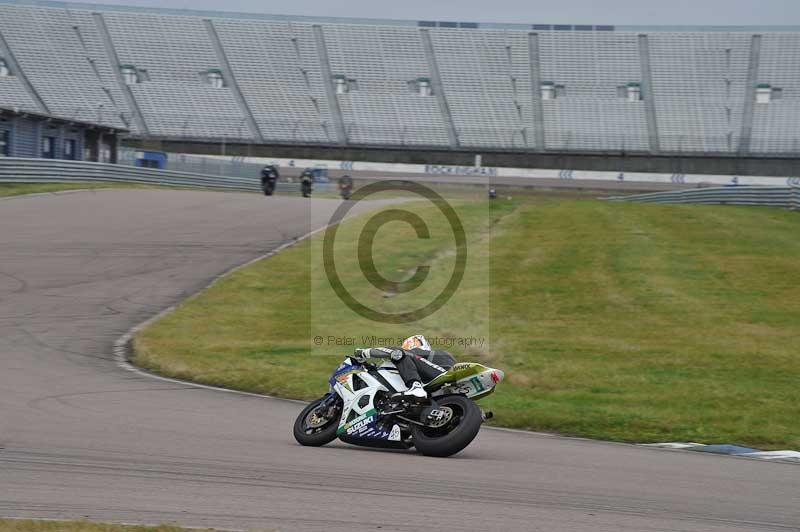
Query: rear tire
(449, 440)
(316, 436)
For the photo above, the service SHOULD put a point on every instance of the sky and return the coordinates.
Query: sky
(619, 12)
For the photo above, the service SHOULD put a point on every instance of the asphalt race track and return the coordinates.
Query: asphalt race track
(81, 437)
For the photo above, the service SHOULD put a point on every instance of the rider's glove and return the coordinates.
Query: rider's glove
(361, 355)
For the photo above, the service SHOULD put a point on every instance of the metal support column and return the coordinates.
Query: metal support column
(113, 58)
(230, 81)
(16, 69)
(438, 88)
(648, 94)
(536, 91)
(12, 150)
(330, 91)
(750, 96)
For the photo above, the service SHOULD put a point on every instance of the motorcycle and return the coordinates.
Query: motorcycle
(364, 407)
(346, 187)
(306, 186)
(269, 180)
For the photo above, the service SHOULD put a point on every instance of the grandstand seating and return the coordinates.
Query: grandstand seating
(593, 116)
(276, 66)
(382, 61)
(13, 92)
(486, 80)
(776, 126)
(697, 84)
(175, 52)
(49, 50)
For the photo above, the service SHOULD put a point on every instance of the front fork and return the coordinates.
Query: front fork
(328, 403)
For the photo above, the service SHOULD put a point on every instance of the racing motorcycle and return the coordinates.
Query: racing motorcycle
(346, 187)
(306, 183)
(269, 179)
(364, 407)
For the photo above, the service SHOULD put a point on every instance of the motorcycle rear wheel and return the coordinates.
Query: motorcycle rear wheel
(464, 423)
(313, 429)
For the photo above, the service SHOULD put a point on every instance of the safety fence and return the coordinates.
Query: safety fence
(14, 170)
(787, 197)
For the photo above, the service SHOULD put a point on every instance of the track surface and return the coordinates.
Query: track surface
(81, 437)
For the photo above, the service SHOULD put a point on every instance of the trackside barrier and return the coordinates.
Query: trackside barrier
(700, 180)
(14, 170)
(787, 197)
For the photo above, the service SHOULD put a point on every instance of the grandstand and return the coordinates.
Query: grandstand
(261, 79)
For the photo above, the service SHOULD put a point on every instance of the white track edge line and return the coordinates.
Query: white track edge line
(120, 348)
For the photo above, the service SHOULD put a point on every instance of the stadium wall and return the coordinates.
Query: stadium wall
(664, 164)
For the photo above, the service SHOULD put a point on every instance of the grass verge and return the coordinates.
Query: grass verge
(623, 322)
(14, 525)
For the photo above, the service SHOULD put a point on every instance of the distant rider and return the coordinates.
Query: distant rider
(416, 362)
(346, 186)
(307, 182)
(269, 178)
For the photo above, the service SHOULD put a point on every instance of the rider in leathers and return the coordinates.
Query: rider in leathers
(269, 177)
(415, 361)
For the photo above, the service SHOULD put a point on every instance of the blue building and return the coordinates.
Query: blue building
(31, 135)
(151, 159)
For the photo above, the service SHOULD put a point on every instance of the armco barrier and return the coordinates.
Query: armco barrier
(13, 170)
(787, 197)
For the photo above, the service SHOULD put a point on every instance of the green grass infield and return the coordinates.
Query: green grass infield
(626, 322)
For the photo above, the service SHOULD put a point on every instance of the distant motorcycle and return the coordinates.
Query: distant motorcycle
(363, 408)
(306, 183)
(269, 179)
(346, 187)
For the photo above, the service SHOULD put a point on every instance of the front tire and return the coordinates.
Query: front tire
(464, 423)
(315, 429)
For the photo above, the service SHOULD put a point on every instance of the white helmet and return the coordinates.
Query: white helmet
(416, 342)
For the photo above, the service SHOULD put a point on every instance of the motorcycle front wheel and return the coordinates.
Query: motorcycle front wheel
(315, 427)
(458, 422)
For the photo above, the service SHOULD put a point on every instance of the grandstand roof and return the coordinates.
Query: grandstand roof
(412, 23)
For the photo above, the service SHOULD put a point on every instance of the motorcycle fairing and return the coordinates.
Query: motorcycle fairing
(359, 416)
(344, 373)
(467, 378)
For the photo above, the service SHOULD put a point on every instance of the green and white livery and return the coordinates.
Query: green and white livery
(365, 406)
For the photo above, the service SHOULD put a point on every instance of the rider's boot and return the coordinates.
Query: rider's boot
(416, 390)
